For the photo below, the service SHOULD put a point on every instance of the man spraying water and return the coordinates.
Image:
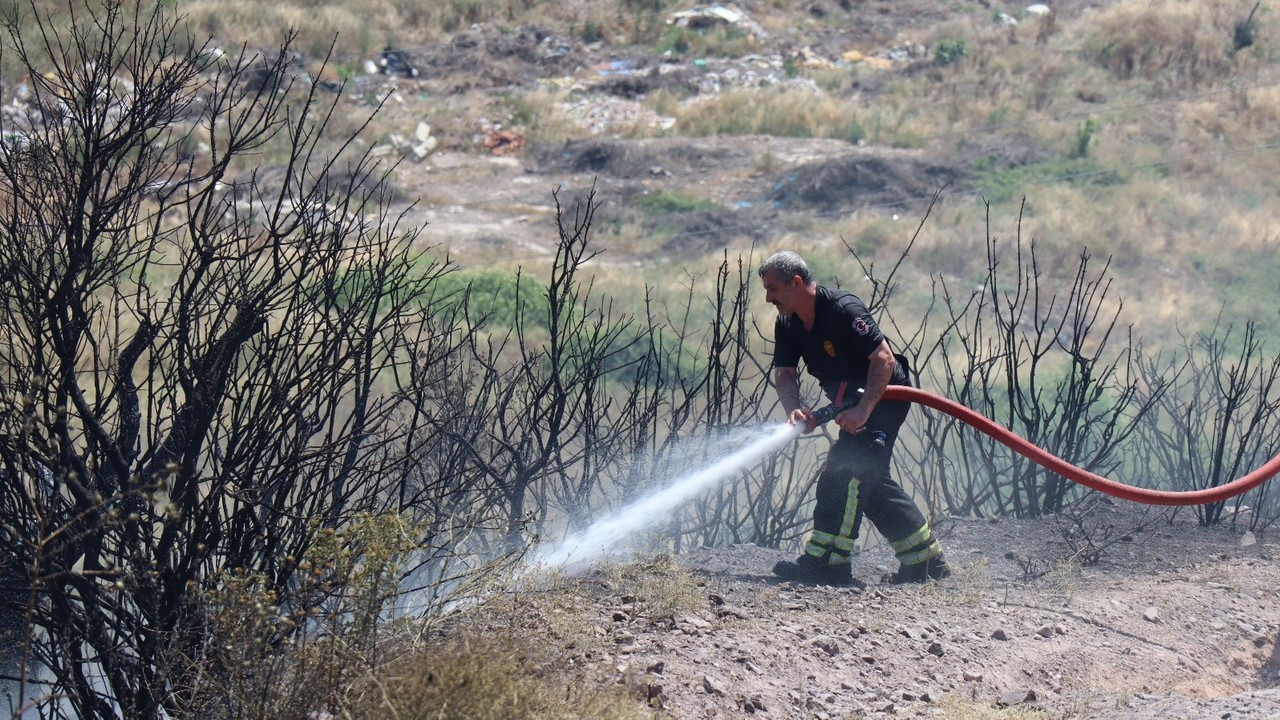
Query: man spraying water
(843, 347)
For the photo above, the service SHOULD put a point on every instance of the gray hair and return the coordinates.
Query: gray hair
(787, 265)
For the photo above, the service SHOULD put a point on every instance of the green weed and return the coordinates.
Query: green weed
(952, 51)
(662, 202)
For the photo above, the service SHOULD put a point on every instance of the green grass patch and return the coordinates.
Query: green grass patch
(717, 42)
(664, 201)
(494, 295)
(1008, 184)
(1243, 282)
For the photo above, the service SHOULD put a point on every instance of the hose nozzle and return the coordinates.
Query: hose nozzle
(826, 414)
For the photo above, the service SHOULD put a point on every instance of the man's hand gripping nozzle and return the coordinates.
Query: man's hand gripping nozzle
(824, 415)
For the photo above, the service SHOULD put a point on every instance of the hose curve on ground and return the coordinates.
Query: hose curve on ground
(1071, 472)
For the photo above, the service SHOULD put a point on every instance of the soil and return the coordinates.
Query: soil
(862, 179)
(1170, 620)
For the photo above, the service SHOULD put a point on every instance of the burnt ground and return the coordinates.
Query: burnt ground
(1170, 620)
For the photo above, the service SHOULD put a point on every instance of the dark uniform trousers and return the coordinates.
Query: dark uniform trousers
(855, 482)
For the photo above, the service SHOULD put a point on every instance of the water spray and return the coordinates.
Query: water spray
(607, 535)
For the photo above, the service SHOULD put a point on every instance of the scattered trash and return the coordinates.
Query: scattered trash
(422, 144)
(396, 62)
(1038, 9)
(554, 50)
(426, 142)
(810, 59)
(598, 115)
(625, 68)
(504, 142)
(707, 16)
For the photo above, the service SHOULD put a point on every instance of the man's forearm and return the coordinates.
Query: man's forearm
(787, 383)
(878, 375)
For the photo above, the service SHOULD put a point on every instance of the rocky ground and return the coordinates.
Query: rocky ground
(1170, 620)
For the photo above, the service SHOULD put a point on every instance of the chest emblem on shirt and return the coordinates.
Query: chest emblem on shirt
(861, 327)
(830, 347)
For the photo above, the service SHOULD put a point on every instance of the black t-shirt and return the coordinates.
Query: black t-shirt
(838, 348)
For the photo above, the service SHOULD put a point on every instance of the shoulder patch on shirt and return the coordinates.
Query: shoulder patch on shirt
(861, 327)
(830, 347)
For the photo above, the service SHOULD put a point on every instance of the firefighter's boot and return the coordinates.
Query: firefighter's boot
(931, 569)
(810, 570)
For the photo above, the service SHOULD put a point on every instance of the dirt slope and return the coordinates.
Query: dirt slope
(1175, 621)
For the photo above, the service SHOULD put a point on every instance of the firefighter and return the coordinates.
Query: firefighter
(843, 347)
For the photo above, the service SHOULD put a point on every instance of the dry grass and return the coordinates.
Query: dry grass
(660, 586)
(361, 28)
(786, 113)
(484, 677)
(367, 27)
(717, 42)
(261, 25)
(1242, 118)
(1175, 44)
(954, 708)
(511, 654)
(997, 82)
(972, 578)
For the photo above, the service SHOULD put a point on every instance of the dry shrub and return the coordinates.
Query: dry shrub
(661, 587)
(483, 677)
(785, 113)
(262, 658)
(362, 27)
(1235, 119)
(1176, 43)
(995, 83)
(365, 27)
(261, 24)
(953, 708)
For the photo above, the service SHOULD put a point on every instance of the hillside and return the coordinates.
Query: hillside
(1172, 621)
(1136, 131)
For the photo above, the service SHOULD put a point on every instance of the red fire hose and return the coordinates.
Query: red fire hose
(1071, 472)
